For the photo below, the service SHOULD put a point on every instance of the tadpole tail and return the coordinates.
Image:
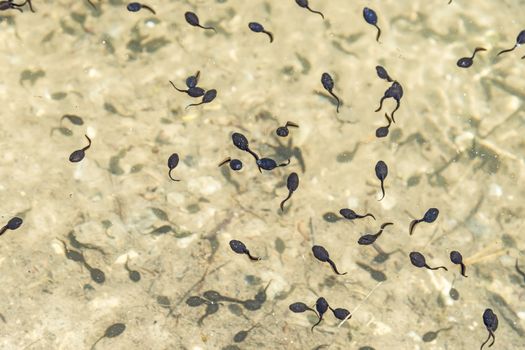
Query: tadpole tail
(285, 164)
(254, 155)
(476, 50)
(382, 190)
(89, 143)
(378, 32)
(208, 28)
(253, 258)
(2, 230)
(99, 339)
(437, 268)
(493, 338)
(149, 9)
(30, 5)
(380, 104)
(269, 34)
(394, 111)
(337, 99)
(172, 84)
(413, 225)
(319, 13)
(193, 104)
(284, 201)
(224, 161)
(449, 2)
(368, 214)
(386, 224)
(169, 174)
(508, 50)
(463, 270)
(486, 341)
(315, 325)
(315, 312)
(335, 268)
(388, 120)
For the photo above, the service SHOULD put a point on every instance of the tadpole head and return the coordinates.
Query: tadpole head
(490, 320)
(320, 253)
(456, 257)
(240, 141)
(255, 27)
(238, 247)
(431, 215)
(209, 96)
(298, 307)
(191, 18)
(520, 40)
(292, 182)
(381, 170)
(417, 259)
(321, 305)
(327, 81)
(370, 16)
(173, 161)
(14, 223)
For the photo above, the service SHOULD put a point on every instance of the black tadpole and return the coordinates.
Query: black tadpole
(322, 255)
(490, 320)
(328, 84)
(429, 217)
(79, 154)
(457, 259)
(74, 119)
(383, 74)
(304, 4)
(418, 260)
(73, 254)
(466, 62)
(12, 224)
(192, 80)
(235, 164)
(239, 248)
(96, 274)
(370, 17)
(519, 41)
(321, 305)
(269, 164)
(193, 20)
(349, 214)
(258, 28)
(173, 161)
(283, 131)
(241, 142)
(369, 239)
(111, 332)
(340, 313)
(292, 183)
(194, 91)
(299, 307)
(207, 98)
(136, 6)
(395, 91)
(133, 275)
(383, 130)
(381, 173)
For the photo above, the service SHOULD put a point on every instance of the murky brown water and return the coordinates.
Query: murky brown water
(457, 145)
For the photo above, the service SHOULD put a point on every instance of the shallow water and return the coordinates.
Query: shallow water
(456, 145)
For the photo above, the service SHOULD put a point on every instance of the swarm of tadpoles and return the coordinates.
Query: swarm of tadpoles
(322, 306)
(195, 91)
